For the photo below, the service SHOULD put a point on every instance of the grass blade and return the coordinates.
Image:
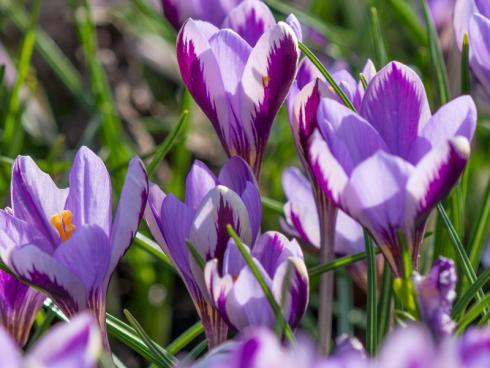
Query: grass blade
(372, 314)
(465, 66)
(273, 205)
(470, 294)
(377, 37)
(168, 143)
(408, 16)
(265, 288)
(153, 248)
(480, 230)
(185, 338)
(164, 359)
(384, 305)
(474, 312)
(338, 263)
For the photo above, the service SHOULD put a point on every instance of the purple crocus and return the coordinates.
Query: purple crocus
(76, 344)
(473, 17)
(211, 203)
(389, 164)
(435, 294)
(19, 304)
(64, 240)
(239, 85)
(236, 293)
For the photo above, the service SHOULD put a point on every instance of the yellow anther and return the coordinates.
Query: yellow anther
(265, 80)
(331, 89)
(62, 224)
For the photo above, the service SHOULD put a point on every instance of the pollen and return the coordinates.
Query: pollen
(265, 80)
(331, 89)
(62, 222)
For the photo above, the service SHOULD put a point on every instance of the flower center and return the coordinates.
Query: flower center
(265, 80)
(62, 223)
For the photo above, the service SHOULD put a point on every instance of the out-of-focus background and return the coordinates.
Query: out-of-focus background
(104, 74)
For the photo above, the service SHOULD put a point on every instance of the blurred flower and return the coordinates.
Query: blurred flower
(388, 165)
(473, 17)
(211, 203)
(64, 240)
(19, 304)
(76, 344)
(240, 86)
(436, 293)
(236, 293)
(442, 13)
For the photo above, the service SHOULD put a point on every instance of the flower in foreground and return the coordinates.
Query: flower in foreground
(64, 240)
(236, 293)
(76, 344)
(435, 294)
(388, 165)
(239, 85)
(211, 203)
(473, 17)
(19, 304)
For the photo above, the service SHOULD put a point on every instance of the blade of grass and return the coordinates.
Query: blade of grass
(327, 75)
(13, 131)
(185, 338)
(43, 327)
(372, 314)
(377, 37)
(473, 313)
(408, 16)
(273, 205)
(168, 144)
(384, 305)
(151, 247)
(164, 360)
(465, 66)
(194, 353)
(195, 254)
(338, 263)
(470, 294)
(480, 230)
(260, 279)
(344, 287)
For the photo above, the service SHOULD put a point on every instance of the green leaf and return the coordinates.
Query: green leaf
(408, 16)
(273, 205)
(465, 66)
(187, 337)
(160, 356)
(154, 249)
(372, 314)
(338, 263)
(473, 313)
(470, 294)
(168, 143)
(384, 305)
(480, 229)
(260, 279)
(195, 254)
(377, 37)
(327, 75)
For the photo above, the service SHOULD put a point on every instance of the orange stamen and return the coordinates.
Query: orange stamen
(62, 222)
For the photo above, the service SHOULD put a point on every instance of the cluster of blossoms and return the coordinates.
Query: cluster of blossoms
(381, 164)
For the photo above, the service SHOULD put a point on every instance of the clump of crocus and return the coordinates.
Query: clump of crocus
(65, 241)
(389, 164)
(19, 304)
(473, 17)
(239, 80)
(435, 294)
(76, 344)
(237, 294)
(211, 203)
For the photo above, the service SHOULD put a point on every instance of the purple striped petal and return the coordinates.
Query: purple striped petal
(129, 212)
(396, 105)
(40, 269)
(153, 211)
(76, 344)
(19, 304)
(463, 10)
(200, 180)
(251, 19)
(479, 35)
(90, 193)
(35, 197)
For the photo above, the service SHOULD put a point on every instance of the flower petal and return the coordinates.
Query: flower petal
(74, 344)
(396, 105)
(218, 287)
(349, 236)
(200, 180)
(479, 34)
(153, 211)
(350, 138)
(250, 19)
(130, 209)
(35, 197)
(90, 196)
(10, 355)
(463, 10)
(40, 269)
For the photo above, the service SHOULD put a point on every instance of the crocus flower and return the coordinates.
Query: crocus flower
(236, 293)
(473, 17)
(442, 12)
(238, 85)
(388, 165)
(19, 304)
(435, 295)
(64, 240)
(76, 344)
(211, 203)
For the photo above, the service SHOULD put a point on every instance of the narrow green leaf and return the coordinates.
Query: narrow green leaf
(2, 74)
(168, 143)
(13, 131)
(372, 310)
(384, 305)
(260, 279)
(411, 20)
(436, 55)
(273, 205)
(327, 75)
(470, 294)
(185, 338)
(194, 353)
(377, 37)
(465, 66)
(49, 316)
(164, 360)
(363, 80)
(195, 254)
(151, 247)
(344, 291)
(338, 263)
(480, 229)
(473, 313)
